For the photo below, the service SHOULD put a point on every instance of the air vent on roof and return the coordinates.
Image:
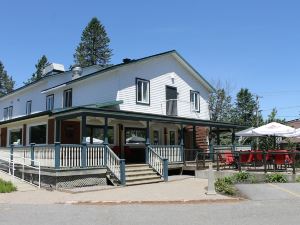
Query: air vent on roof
(53, 68)
(77, 71)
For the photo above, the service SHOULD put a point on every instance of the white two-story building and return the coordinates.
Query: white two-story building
(155, 100)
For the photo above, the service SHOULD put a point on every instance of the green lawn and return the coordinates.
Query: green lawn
(6, 187)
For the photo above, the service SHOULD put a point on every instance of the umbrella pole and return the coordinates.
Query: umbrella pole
(274, 142)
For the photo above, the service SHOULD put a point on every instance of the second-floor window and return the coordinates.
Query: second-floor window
(68, 98)
(195, 101)
(50, 102)
(142, 91)
(10, 112)
(5, 113)
(28, 107)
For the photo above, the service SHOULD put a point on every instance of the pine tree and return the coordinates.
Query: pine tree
(94, 46)
(6, 82)
(42, 62)
(245, 108)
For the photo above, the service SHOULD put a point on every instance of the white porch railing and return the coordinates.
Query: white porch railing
(159, 164)
(115, 165)
(18, 163)
(70, 155)
(95, 155)
(174, 153)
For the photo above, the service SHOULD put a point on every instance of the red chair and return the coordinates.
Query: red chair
(226, 158)
(281, 158)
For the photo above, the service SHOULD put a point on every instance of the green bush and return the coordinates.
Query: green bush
(298, 179)
(222, 186)
(6, 187)
(276, 178)
(241, 177)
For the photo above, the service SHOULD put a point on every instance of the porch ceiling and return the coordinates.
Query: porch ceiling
(128, 115)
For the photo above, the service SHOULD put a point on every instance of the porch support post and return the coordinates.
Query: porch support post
(57, 155)
(105, 131)
(194, 137)
(147, 142)
(218, 136)
(83, 128)
(32, 153)
(57, 130)
(106, 141)
(233, 139)
(181, 142)
(83, 154)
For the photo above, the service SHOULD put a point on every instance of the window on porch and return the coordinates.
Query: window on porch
(15, 137)
(38, 134)
(96, 134)
(135, 135)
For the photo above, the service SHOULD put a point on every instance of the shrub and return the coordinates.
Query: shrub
(241, 177)
(276, 178)
(225, 186)
(298, 179)
(6, 187)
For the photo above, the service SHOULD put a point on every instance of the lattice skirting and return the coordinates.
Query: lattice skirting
(63, 182)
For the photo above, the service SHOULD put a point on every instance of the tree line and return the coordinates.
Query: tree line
(243, 110)
(93, 49)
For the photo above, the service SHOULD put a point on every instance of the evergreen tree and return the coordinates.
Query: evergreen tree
(6, 82)
(42, 62)
(220, 106)
(245, 108)
(94, 46)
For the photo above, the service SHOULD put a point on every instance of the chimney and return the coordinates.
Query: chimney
(77, 72)
(127, 60)
(53, 68)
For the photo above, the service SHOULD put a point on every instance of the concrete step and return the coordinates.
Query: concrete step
(139, 173)
(149, 181)
(142, 177)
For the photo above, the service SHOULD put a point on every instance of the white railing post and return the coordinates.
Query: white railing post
(32, 153)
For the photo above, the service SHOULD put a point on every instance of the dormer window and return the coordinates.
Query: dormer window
(68, 98)
(195, 101)
(142, 91)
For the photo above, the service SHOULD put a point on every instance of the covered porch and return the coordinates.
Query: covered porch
(89, 138)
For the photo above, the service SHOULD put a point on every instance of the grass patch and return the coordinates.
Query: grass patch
(6, 187)
(276, 178)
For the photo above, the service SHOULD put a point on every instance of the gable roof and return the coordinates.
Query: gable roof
(176, 55)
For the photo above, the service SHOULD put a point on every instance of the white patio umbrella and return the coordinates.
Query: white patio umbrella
(274, 129)
(135, 139)
(295, 134)
(95, 140)
(245, 133)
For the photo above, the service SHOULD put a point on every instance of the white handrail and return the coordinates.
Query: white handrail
(22, 161)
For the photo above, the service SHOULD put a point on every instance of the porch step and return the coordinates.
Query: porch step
(131, 183)
(136, 174)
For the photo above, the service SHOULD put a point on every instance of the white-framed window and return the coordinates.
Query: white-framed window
(28, 107)
(10, 112)
(195, 101)
(15, 136)
(142, 91)
(68, 98)
(156, 137)
(50, 102)
(5, 113)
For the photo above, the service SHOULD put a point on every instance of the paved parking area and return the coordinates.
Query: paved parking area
(270, 191)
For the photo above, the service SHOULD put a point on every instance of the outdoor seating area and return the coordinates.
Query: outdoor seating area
(228, 158)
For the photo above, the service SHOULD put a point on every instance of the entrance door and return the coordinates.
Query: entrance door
(171, 101)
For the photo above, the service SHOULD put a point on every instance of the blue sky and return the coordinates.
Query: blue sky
(250, 44)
